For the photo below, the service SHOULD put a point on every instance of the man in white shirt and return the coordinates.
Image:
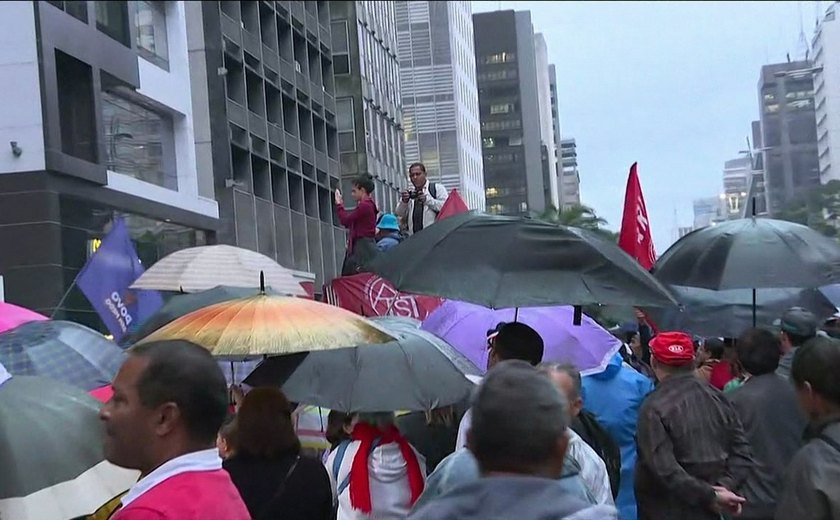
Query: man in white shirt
(593, 471)
(419, 207)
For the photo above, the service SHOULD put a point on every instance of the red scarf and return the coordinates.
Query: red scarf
(359, 476)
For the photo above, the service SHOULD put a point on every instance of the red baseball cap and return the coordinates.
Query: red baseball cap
(675, 349)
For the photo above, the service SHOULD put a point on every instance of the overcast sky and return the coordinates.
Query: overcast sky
(672, 85)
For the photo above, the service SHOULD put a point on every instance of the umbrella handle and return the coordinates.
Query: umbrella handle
(578, 318)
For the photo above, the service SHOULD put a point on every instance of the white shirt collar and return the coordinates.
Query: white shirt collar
(204, 460)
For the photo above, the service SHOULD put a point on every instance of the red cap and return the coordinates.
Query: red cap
(672, 348)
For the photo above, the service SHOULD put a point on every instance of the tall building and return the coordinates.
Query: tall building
(549, 150)
(826, 48)
(788, 132)
(439, 94)
(97, 123)
(509, 110)
(707, 211)
(268, 127)
(570, 178)
(368, 99)
(736, 178)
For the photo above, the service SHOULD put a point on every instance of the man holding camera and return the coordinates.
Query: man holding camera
(419, 207)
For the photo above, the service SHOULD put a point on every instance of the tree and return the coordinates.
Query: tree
(818, 208)
(579, 216)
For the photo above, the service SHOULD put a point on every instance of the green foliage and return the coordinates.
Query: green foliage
(818, 209)
(578, 216)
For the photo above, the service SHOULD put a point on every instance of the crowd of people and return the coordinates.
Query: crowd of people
(656, 441)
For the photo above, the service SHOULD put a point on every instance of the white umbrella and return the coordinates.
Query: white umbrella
(201, 268)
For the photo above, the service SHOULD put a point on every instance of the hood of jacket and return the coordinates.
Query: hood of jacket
(612, 370)
(525, 498)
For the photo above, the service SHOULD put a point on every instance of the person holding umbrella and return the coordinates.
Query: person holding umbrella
(796, 326)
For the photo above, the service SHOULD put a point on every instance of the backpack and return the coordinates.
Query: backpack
(433, 190)
(600, 440)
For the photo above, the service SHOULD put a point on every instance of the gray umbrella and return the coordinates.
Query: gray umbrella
(61, 350)
(729, 313)
(51, 443)
(419, 371)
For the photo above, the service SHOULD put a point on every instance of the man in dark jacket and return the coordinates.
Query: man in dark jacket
(692, 448)
(518, 436)
(812, 483)
(796, 326)
(772, 419)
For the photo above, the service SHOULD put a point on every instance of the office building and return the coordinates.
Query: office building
(549, 150)
(826, 52)
(736, 178)
(509, 110)
(788, 132)
(570, 176)
(367, 94)
(267, 127)
(97, 123)
(756, 188)
(707, 211)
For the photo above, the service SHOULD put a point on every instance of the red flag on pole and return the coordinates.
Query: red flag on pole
(454, 205)
(635, 238)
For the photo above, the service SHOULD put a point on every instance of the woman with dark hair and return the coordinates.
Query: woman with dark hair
(274, 479)
(361, 222)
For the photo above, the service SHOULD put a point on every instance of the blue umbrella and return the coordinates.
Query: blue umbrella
(63, 351)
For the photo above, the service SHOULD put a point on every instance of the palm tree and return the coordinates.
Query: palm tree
(579, 216)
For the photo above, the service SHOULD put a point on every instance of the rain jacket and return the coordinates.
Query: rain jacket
(812, 483)
(461, 468)
(615, 396)
(512, 497)
(389, 241)
(389, 490)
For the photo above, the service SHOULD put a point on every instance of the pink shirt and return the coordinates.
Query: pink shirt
(193, 495)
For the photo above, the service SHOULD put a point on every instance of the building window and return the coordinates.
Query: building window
(139, 142)
(112, 19)
(341, 47)
(502, 57)
(346, 124)
(150, 23)
(76, 113)
(76, 9)
(501, 108)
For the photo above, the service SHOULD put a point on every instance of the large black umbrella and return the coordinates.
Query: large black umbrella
(729, 313)
(503, 262)
(751, 253)
(418, 371)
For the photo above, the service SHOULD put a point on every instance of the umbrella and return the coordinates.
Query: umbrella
(182, 304)
(11, 316)
(503, 262)
(417, 371)
(262, 325)
(729, 313)
(752, 253)
(61, 350)
(464, 326)
(201, 268)
(51, 452)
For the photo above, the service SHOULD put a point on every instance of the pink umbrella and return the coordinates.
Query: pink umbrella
(11, 316)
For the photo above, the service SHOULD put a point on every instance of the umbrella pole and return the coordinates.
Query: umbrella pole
(754, 309)
(578, 318)
(232, 382)
(516, 314)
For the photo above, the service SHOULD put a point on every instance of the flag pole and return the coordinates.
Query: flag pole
(64, 297)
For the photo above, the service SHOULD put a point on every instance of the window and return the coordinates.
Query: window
(341, 47)
(75, 107)
(488, 142)
(502, 108)
(150, 22)
(501, 125)
(346, 124)
(502, 57)
(139, 142)
(76, 9)
(112, 19)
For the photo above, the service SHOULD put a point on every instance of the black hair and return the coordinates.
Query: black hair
(715, 347)
(518, 417)
(515, 340)
(417, 165)
(629, 335)
(795, 339)
(759, 351)
(364, 182)
(817, 362)
(186, 374)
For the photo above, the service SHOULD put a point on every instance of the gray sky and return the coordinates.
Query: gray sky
(672, 85)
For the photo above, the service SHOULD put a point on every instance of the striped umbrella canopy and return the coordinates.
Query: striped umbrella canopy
(264, 325)
(61, 350)
(11, 316)
(201, 268)
(51, 451)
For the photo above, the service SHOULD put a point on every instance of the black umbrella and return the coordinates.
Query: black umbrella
(729, 313)
(503, 262)
(751, 253)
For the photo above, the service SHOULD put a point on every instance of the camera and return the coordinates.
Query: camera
(412, 194)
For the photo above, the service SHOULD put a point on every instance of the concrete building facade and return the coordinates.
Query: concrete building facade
(570, 175)
(826, 52)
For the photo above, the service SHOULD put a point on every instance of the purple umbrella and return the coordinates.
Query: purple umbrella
(464, 326)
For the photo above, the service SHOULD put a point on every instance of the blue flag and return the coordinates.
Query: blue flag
(105, 279)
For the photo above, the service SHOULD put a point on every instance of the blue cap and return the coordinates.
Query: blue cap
(389, 222)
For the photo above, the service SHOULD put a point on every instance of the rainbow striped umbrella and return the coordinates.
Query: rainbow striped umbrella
(264, 325)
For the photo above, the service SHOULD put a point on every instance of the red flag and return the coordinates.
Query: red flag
(370, 295)
(635, 238)
(454, 205)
